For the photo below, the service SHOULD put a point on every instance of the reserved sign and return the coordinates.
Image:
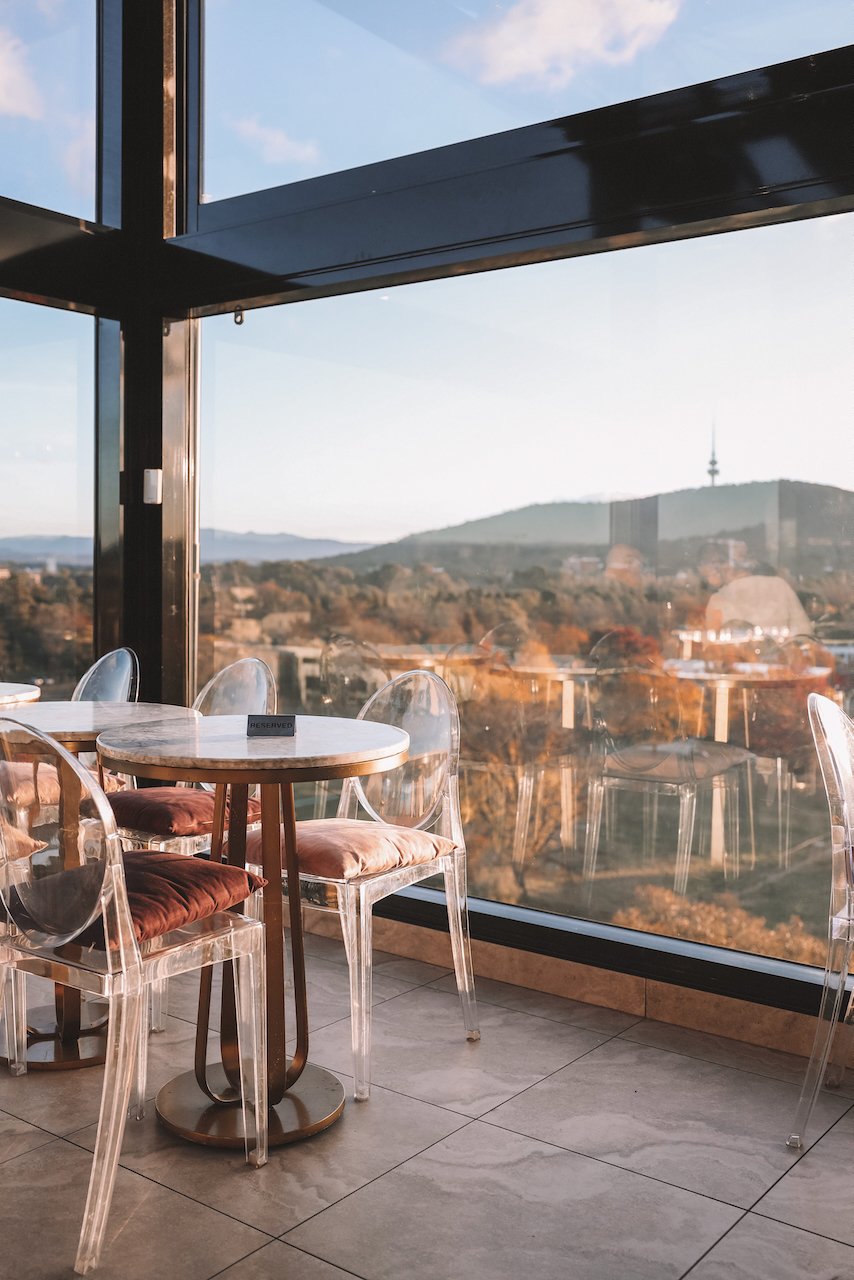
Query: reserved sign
(270, 726)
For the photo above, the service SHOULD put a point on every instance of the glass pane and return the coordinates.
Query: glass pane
(528, 452)
(46, 517)
(295, 88)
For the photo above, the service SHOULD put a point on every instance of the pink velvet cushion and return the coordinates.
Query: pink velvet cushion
(342, 849)
(170, 811)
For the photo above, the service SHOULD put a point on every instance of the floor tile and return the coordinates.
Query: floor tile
(490, 1205)
(758, 1249)
(299, 1180)
(818, 1192)
(691, 1123)
(280, 1261)
(150, 1231)
(62, 1101)
(729, 1053)
(543, 1005)
(16, 1137)
(419, 1047)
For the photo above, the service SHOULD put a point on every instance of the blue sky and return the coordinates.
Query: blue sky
(370, 416)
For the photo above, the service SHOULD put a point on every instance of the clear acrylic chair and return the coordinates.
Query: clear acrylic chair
(350, 671)
(638, 745)
(113, 678)
(392, 830)
(187, 818)
(78, 911)
(833, 733)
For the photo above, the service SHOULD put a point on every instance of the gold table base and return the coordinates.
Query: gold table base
(51, 1049)
(310, 1105)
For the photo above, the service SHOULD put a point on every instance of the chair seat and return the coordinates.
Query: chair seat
(690, 760)
(165, 892)
(23, 787)
(345, 849)
(170, 811)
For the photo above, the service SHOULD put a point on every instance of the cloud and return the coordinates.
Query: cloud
(19, 95)
(544, 42)
(78, 154)
(273, 145)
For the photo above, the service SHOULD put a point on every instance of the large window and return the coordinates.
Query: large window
(46, 361)
(295, 88)
(530, 450)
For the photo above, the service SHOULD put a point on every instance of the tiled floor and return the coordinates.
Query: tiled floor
(571, 1142)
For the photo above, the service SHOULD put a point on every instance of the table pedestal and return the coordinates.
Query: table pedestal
(310, 1105)
(56, 1040)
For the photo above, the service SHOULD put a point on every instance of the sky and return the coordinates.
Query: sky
(370, 416)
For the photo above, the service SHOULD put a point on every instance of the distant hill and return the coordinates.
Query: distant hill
(217, 545)
(39, 548)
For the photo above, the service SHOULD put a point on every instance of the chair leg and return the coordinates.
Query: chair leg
(458, 926)
(595, 802)
(356, 927)
(250, 993)
(136, 1105)
(122, 1046)
(13, 989)
(833, 990)
(524, 800)
(687, 815)
(159, 1004)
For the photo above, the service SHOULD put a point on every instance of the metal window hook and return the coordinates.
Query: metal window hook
(238, 315)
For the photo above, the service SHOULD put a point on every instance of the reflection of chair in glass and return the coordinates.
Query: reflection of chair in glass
(79, 912)
(495, 748)
(413, 831)
(833, 733)
(190, 818)
(639, 746)
(350, 671)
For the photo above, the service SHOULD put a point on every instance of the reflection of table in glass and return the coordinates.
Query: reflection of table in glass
(57, 1037)
(304, 1099)
(744, 677)
(12, 694)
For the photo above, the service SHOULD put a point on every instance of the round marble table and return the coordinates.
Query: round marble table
(57, 1038)
(76, 725)
(304, 1099)
(12, 694)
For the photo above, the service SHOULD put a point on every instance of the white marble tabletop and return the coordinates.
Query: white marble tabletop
(11, 694)
(81, 722)
(220, 743)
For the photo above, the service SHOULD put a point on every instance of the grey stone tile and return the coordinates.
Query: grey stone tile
(543, 1005)
(279, 1261)
(758, 1249)
(689, 1122)
(150, 1231)
(818, 1192)
(328, 992)
(16, 1137)
(729, 1053)
(299, 1180)
(419, 1048)
(490, 1205)
(416, 973)
(62, 1101)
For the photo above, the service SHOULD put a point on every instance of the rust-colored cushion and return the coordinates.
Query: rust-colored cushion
(17, 843)
(18, 784)
(168, 890)
(170, 811)
(342, 849)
